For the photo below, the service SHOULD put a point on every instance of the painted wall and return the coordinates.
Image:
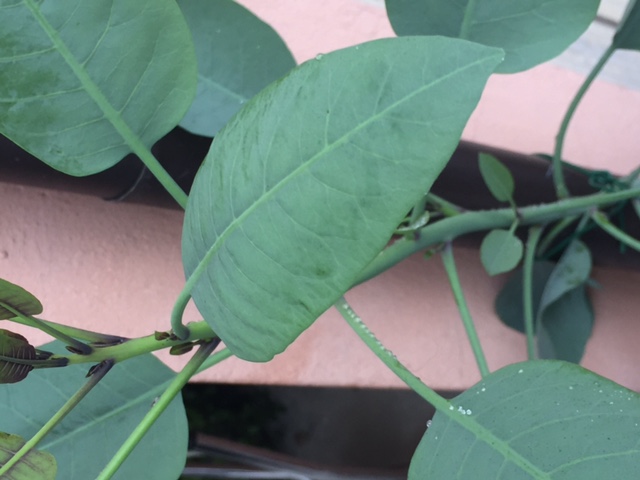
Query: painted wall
(116, 267)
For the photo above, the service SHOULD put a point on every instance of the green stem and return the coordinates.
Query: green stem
(77, 345)
(466, 21)
(456, 287)
(159, 407)
(449, 228)
(139, 346)
(36, 363)
(447, 208)
(557, 229)
(604, 223)
(86, 335)
(159, 172)
(97, 375)
(527, 289)
(558, 175)
(418, 210)
(389, 359)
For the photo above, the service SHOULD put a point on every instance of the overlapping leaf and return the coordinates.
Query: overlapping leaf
(238, 55)
(307, 183)
(536, 420)
(83, 82)
(35, 465)
(90, 435)
(530, 32)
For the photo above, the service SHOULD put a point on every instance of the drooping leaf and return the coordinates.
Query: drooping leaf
(572, 270)
(238, 55)
(82, 83)
(17, 298)
(509, 302)
(35, 465)
(536, 420)
(90, 435)
(306, 184)
(497, 177)
(628, 35)
(13, 345)
(530, 32)
(500, 251)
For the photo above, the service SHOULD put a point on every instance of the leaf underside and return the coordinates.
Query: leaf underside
(82, 82)
(307, 183)
(19, 299)
(13, 345)
(35, 465)
(535, 420)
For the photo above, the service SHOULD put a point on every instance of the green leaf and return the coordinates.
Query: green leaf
(306, 184)
(497, 177)
(91, 434)
(628, 34)
(35, 465)
(238, 55)
(565, 316)
(536, 420)
(17, 298)
(82, 83)
(13, 345)
(500, 251)
(530, 32)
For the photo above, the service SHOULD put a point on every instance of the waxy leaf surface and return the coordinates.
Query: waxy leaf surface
(537, 420)
(83, 82)
(35, 465)
(91, 434)
(530, 32)
(306, 184)
(238, 55)
(17, 298)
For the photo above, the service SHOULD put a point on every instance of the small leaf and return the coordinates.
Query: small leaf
(535, 420)
(13, 345)
(628, 35)
(19, 299)
(35, 465)
(307, 183)
(83, 83)
(89, 436)
(497, 177)
(500, 251)
(530, 32)
(572, 270)
(232, 67)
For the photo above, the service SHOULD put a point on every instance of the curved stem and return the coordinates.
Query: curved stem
(160, 406)
(604, 223)
(546, 242)
(456, 287)
(527, 289)
(97, 375)
(558, 175)
(449, 228)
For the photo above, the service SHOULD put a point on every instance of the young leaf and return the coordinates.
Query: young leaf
(90, 435)
(530, 32)
(497, 177)
(83, 83)
(17, 298)
(306, 184)
(13, 345)
(628, 34)
(232, 67)
(35, 465)
(500, 251)
(529, 421)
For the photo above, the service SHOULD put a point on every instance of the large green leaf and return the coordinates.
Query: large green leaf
(537, 420)
(17, 298)
(83, 82)
(89, 436)
(35, 465)
(13, 345)
(628, 34)
(530, 31)
(306, 184)
(238, 55)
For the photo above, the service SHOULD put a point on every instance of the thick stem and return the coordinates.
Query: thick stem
(527, 289)
(456, 287)
(449, 228)
(97, 375)
(159, 407)
(558, 174)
